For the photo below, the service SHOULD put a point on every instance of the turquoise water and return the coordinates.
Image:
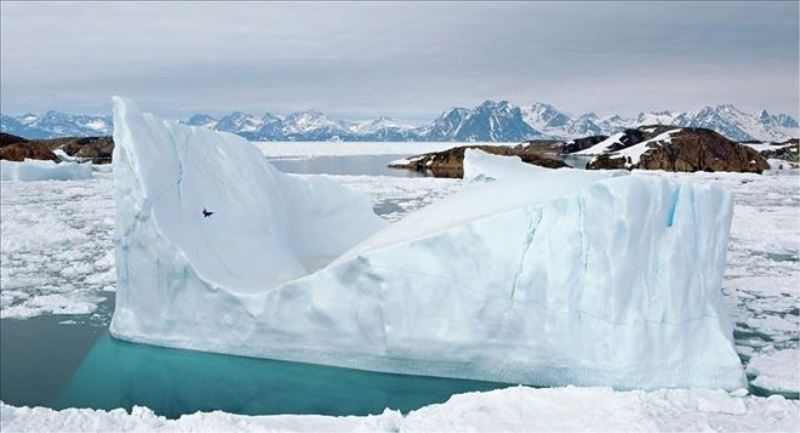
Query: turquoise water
(44, 362)
(173, 382)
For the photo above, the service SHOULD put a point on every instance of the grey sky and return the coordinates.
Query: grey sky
(406, 60)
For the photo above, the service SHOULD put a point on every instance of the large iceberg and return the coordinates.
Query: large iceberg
(528, 275)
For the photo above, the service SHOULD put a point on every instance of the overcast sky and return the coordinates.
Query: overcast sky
(406, 60)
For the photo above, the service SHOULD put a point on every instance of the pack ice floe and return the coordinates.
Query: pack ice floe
(527, 275)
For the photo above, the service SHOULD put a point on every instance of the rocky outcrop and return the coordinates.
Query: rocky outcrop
(679, 149)
(789, 150)
(450, 163)
(6, 139)
(607, 161)
(13, 148)
(95, 149)
(545, 147)
(579, 144)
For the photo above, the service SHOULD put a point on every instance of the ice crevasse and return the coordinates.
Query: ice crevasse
(527, 275)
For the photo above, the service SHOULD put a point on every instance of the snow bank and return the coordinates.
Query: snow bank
(595, 279)
(512, 409)
(32, 170)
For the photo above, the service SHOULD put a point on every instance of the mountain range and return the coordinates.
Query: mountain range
(490, 122)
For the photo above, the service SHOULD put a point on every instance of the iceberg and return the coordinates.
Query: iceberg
(31, 170)
(527, 275)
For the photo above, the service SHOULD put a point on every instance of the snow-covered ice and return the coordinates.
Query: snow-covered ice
(777, 371)
(56, 246)
(267, 227)
(34, 170)
(502, 281)
(517, 409)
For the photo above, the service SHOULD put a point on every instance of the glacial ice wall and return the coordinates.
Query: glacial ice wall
(528, 275)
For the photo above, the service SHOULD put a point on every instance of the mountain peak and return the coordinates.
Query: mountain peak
(489, 121)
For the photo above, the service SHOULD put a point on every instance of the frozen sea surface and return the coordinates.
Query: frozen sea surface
(56, 248)
(516, 409)
(56, 257)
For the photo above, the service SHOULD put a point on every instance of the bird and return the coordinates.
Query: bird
(207, 213)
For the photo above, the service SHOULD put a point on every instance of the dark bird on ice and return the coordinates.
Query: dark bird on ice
(207, 213)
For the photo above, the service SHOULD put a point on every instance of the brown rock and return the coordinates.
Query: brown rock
(787, 151)
(698, 149)
(450, 163)
(607, 162)
(6, 139)
(12, 149)
(579, 144)
(689, 150)
(96, 149)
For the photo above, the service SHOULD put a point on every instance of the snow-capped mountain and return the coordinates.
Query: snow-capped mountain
(546, 118)
(56, 124)
(489, 121)
(313, 126)
(203, 120)
(383, 129)
(239, 122)
(725, 119)
(738, 125)
(13, 125)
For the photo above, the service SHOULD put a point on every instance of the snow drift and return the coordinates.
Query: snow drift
(33, 170)
(528, 275)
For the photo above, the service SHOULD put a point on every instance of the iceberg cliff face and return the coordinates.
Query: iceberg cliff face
(528, 275)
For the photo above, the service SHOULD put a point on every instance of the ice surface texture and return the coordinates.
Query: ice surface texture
(527, 275)
(33, 170)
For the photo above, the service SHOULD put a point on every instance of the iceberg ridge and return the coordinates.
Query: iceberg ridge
(528, 275)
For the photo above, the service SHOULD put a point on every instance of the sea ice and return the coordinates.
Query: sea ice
(515, 409)
(777, 371)
(32, 170)
(526, 275)
(56, 248)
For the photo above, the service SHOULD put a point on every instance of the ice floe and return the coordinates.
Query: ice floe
(33, 170)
